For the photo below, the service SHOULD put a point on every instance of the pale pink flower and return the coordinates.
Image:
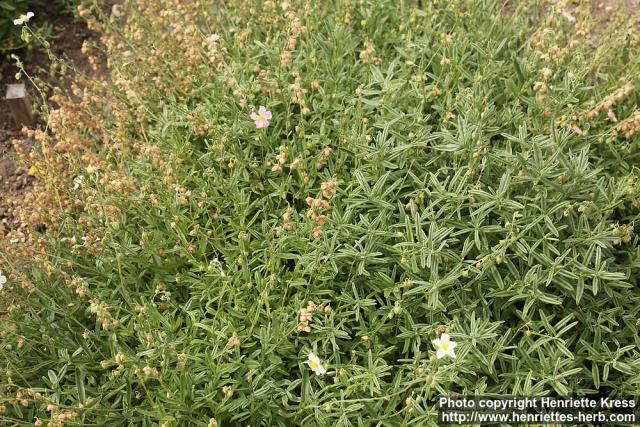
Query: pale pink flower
(612, 115)
(574, 128)
(569, 16)
(262, 118)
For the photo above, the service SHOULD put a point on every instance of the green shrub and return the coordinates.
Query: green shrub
(430, 167)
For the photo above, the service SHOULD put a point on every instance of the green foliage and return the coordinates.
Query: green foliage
(464, 203)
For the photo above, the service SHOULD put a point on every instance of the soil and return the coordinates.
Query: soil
(606, 10)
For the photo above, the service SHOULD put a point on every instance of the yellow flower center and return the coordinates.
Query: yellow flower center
(314, 364)
(444, 346)
(261, 117)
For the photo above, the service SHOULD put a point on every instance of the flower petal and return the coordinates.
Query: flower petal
(268, 115)
(319, 369)
(440, 353)
(254, 116)
(445, 338)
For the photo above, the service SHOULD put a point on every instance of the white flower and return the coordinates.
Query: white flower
(116, 10)
(3, 280)
(315, 365)
(213, 38)
(444, 346)
(23, 18)
(78, 182)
